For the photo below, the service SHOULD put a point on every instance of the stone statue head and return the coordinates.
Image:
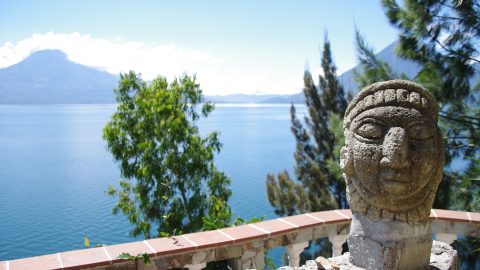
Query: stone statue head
(393, 155)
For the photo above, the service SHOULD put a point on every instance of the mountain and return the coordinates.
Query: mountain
(48, 77)
(347, 79)
(242, 98)
(398, 65)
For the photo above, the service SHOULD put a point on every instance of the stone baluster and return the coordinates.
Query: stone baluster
(337, 242)
(293, 252)
(446, 237)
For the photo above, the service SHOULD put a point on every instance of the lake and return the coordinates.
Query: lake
(54, 170)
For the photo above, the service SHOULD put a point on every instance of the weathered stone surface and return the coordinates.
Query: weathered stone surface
(247, 254)
(229, 252)
(256, 262)
(180, 260)
(304, 235)
(393, 157)
(443, 257)
(258, 244)
(392, 162)
(326, 264)
(254, 245)
(275, 242)
(309, 265)
(161, 263)
(200, 256)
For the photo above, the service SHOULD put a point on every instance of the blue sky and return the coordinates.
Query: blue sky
(233, 46)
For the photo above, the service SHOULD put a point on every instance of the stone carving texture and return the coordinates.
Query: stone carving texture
(393, 157)
(392, 162)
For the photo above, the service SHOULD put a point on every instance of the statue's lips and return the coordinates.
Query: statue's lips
(393, 176)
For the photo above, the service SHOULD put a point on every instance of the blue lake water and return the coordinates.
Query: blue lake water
(54, 170)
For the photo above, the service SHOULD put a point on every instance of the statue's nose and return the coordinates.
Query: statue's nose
(395, 149)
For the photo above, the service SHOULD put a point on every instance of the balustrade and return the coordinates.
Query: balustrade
(244, 246)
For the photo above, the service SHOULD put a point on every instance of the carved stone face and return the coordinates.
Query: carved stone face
(393, 157)
(394, 153)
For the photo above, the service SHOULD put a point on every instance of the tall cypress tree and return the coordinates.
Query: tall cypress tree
(333, 95)
(372, 69)
(318, 184)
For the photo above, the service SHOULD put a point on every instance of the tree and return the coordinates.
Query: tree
(443, 38)
(372, 69)
(319, 185)
(170, 184)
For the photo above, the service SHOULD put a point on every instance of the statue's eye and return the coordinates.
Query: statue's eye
(421, 132)
(370, 131)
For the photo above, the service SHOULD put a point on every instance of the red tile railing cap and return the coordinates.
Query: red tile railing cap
(450, 215)
(79, 259)
(133, 248)
(103, 256)
(208, 239)
(245, 233)
(332, 216)
(51, 261)
(475, 217)
(274, 227)
(170, 245)
(303, 221)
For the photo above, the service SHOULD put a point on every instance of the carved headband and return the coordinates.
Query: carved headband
(392, 93)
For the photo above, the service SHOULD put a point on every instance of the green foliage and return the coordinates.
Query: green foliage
(86, 243)
(142, 256)
(332, 96)
(320, 184)
(372, 69)
(443, 38)
(170, 184)
(240, 221)
(269, 264)
(335, 122)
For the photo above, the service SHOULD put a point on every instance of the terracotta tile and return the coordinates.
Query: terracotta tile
(168, 245)
(346, 212)
(209, 239)
(89, 257)
(133, 248)
(244, 233)
(330, 216)
(275, 226)
(452, 215)
(302, 221)
(46, 262)
(475, 217)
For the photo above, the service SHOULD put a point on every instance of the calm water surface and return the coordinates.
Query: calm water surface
(54, 170)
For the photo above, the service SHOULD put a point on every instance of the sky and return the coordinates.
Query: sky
(249, 47)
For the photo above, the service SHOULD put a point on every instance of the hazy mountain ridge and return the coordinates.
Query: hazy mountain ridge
(399, 66)
(48, 77)
(244, 98)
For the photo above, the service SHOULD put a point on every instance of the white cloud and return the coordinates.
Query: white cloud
(169, 60)
(112, 56)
